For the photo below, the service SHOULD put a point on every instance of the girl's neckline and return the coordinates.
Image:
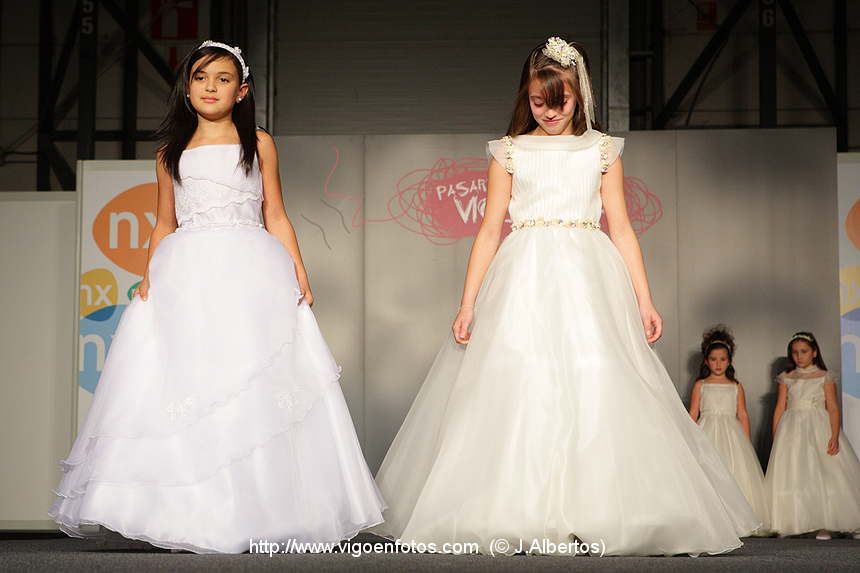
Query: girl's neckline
(209, 145)
(729, 383)
(807, 369)
(559, 142)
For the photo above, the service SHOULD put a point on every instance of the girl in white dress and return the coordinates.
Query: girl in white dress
(548, 420)
(813, 476)
(218, 419)
(718, 404)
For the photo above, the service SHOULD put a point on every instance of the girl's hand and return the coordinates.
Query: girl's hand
(462, 323)
(652, 322)
(142, 289)
(833, 446)
(307, 296)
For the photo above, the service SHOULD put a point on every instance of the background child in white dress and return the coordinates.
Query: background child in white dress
(813, 476)
(718, 404)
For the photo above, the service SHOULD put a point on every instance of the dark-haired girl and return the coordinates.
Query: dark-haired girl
(813, 476)
(718, 404)
(218, 423)
(547, 424)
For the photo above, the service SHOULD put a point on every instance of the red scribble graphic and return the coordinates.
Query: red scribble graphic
(446, 202)
(643, 207)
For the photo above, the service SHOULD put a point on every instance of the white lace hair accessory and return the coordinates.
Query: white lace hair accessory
(233, 50)
(566, 55)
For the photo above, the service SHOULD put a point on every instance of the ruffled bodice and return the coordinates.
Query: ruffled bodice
(215, 191)
(556, 177)
(806, 387)
(719, 399)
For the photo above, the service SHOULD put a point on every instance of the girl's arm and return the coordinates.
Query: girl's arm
(165, 221)
(743, 415)
(485, 246)
(832, 405)
(694, 400)
(781, 400)
(274, 213)
(622, 234)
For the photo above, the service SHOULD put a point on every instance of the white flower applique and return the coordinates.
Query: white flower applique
(285, 399)
(180, 408)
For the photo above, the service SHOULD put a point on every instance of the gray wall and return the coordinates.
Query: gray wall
(37, 350)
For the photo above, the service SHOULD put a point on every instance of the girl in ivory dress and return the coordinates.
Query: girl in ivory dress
(547, 419)
(218, 418)
(813, 476)
(718, 404)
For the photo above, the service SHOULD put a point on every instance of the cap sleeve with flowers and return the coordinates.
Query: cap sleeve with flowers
(610, 150)
(781, 379)
(502, 151)
(830, 378)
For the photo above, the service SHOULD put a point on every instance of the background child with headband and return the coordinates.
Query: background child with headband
(718, 404)
(813, 476)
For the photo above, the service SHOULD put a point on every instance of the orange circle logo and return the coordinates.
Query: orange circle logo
(852, 225)
(121, 229)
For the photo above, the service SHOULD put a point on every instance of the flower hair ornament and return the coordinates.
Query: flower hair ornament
(566, 55)
(233, 50)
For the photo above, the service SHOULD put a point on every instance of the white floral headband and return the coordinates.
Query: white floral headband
(715, 342)
(800, 336)
(233, 50)
(566, 55)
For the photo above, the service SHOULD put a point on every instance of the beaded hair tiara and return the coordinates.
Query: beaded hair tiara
(233, 50)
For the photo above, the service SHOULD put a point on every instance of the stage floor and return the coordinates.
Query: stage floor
(19, 552)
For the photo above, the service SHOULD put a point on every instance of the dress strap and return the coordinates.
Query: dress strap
(509, 153)
(604, 153)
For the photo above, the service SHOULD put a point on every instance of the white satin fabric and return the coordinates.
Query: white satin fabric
(557, 419)
(218, 416)
(808, 489)
(718, 408)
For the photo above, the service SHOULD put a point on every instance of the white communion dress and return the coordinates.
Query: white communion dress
(219, 415)
(557, 421)
(718, 408)
(809, 489)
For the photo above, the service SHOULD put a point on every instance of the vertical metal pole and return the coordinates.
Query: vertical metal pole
(840, 50)
(618, 88)
(129, 84)
(658, 95)
(767, 63)
(87, 79)
(46, 95)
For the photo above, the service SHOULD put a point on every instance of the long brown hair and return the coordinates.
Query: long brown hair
(552, 78)
(180, 123)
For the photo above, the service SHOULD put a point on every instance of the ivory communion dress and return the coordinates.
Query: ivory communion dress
(808, 489)
(718, 408)
(557, 421)
(218, 416)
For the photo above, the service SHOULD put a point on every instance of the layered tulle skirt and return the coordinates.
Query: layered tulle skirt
(557, 421)
(736, 450)
(807, 488)
(218, 417)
